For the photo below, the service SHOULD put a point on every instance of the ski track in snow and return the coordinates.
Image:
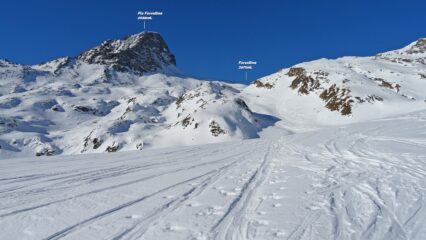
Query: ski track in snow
(364, 181)
(234, 223)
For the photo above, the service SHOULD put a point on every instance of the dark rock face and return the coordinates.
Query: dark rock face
(91, 142)
(303, 82)
(260, 84)
(141, 53)
(338, 99)
(84, 109)
(215, 129)
(112, 148)
(242, 104)
(45, 152)
(295, 71)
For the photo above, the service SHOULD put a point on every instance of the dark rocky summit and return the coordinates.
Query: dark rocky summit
(140, 53)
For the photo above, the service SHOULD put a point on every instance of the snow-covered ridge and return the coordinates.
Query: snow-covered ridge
(121, 95)
(128, 94)
(346, 89)
(414, 52)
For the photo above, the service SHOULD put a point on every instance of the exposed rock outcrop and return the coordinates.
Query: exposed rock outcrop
(141, 53)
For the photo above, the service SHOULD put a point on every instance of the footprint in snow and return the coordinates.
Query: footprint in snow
(280, 234)
(276, 197)
(134, 216)
(280, 180)
(261, 222)
(174, 228)
(212, 210)
(193, 204)
(227, 193)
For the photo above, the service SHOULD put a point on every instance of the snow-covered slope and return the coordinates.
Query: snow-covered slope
(360, 181)
(211, 111)
(122, 95)
(344, 90)
(128, 94)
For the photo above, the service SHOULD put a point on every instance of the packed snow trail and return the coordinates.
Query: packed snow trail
(359, 181)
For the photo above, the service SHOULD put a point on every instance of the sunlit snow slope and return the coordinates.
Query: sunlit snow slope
(121, 95)
(360, 181)
(344, 90)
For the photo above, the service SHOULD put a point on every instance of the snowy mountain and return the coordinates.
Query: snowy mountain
(141, 53)
(128, 94)
(344, 90)
(328, 149)
(122, 95)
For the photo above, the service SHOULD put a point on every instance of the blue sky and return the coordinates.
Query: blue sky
(208, 37)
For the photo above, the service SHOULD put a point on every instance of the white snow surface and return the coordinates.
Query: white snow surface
(384, 85)
(70, 107)
(328, 149)
(359, 181)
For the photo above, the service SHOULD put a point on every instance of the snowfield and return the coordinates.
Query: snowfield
(359, 181)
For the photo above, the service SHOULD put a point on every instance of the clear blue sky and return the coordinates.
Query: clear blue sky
(208, 37)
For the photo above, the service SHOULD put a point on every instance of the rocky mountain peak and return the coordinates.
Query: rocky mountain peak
(140, 53)
(418, 47)
(4, 62)
(413, 53)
